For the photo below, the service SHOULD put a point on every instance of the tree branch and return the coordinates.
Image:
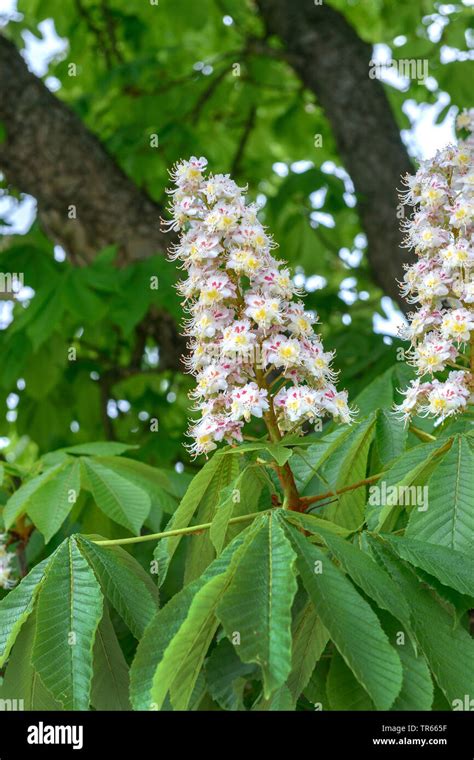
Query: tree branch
(50, 154)
(333, 62)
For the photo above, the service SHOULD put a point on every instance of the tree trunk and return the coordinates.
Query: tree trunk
(333, 62)
(85, 201)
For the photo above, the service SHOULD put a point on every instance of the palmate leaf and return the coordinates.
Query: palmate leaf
(417, 687)
(191, 644)
(449, 651)
(207, 484)
(306, 463)
(124, 582)
(412, 467)
(17, 605)
(49, 497)
(21, 680)
(155, 641)
(350, 466)
(351, 623)
(112, 449)
(265, 486)
(119, 498)
(452, 568)
(226, 676)
(370, 577)
(315, 690)
(309, 639)
(154, 481)
(110, 680)
(20, 500)
(69, 609)
(257, 605)
(378, 393)
(49, 506)
(153, 651)
(449, 519)
(246, 488)
(201, 552)
(390, 436)
(185, 655)
(280, 700)
(100, 448)
(456, 603)
(315, 524)
(343, 690)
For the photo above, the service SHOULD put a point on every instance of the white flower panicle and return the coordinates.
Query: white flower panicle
(6, 559)
(246, 325)
(441, 281)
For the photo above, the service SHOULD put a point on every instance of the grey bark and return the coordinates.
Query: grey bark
(50, 154)
(333, 62)
(85, 201)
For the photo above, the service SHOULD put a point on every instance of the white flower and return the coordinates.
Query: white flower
(282, 351)
(253, 236)
(415, 392)
(264, 310)
(220, 186)
(223, 218)
(433, 284)
(238, 338)
(206, 322)
(465, 120)
(6, 559)
(428, 237)
(445, 399)
(462, 213)
(421, 321)
(212, 429)
(336, 404)
(467, 292)
(458, 254)
(298, 402)
(299, 322)
(442, 280)
(211, 380)
(277, 282)
(457, 324)
(432, 354)
(242, 319)
(201, 247)
(189, 173)
(316, 361)
(244, 261)
(247, 401)
(216, 289)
